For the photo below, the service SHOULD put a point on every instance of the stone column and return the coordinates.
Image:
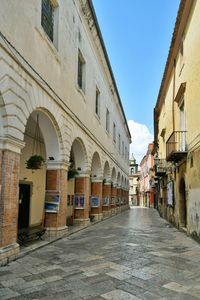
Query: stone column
(113, 198)
(82, 189)
(107, 194)
(9, 197)
(56, 185)
(118, 198)
(96, 191)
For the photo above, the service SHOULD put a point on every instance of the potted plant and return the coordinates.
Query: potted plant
(72, 172)
(35, 162)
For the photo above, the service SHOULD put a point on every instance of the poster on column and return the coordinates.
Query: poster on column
(94, 201)
(79, 201)
(105, 201)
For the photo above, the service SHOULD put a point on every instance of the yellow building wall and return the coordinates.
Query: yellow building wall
(187, 70)
(37, 179)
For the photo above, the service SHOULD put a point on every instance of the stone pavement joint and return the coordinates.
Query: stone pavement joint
(135, 255)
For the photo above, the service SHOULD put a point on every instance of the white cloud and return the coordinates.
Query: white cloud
(141, 137)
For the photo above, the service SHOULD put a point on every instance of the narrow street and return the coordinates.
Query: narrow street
(135, 255)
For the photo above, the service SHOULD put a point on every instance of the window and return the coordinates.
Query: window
(107, 120)
(81, 71)
(114, 132)
(119, 142)
(97, 103)
(47, 18)
(123, 149)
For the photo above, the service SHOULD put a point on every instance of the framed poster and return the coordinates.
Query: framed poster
(94, 201)
(105, 201)
(170, 193)
(79, 201)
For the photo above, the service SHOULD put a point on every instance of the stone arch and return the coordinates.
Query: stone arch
(113, 175)
(96, 169)
(34, 184)
(50, 132)
(78, 156)
(106, 171)
(20, 101)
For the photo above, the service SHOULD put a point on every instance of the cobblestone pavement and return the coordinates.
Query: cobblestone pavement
(135, 255)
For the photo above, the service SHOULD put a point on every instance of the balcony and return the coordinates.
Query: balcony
(176, 148)
(160, 167)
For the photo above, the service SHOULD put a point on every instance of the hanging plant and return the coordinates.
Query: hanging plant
(72, 172)
(35, 162)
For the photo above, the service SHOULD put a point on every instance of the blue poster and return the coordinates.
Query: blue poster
(94, 201)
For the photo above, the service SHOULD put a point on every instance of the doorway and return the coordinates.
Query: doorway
(183, 206)
(24, 205)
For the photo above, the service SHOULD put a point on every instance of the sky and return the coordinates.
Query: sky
(137, 36)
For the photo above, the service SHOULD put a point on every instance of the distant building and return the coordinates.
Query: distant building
(133, 182)
(147, 179)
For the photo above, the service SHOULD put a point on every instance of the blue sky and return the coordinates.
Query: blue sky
(137, 36)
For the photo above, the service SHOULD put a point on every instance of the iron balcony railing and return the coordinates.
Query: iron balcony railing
(160, 167)
(176, 147)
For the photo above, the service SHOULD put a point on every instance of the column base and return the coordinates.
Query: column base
(82, 222)
(106, 214)
(56, 232)
(113, 211)
(9, 253)
(97, 217)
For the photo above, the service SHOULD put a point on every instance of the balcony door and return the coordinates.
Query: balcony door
(182, 141)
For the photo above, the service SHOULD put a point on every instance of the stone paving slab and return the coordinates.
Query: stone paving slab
(135, 255)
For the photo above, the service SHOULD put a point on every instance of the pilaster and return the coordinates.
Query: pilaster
(56, 184)
(82, 199)
(96, 199)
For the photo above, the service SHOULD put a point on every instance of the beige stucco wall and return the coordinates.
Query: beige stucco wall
(187, 70)
(59, 66)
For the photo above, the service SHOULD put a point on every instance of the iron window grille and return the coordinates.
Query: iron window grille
(81, 65)
(47, 18)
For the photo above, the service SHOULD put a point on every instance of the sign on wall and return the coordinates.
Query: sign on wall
(94, 201)
(79, 201)
(170, 193)
(105, 201)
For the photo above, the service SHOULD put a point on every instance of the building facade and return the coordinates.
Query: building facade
(146, 182)
(177, 125)
(59, 101)
(134, 175)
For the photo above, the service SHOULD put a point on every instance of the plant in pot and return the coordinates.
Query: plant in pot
(35, 162)
(72, 172)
